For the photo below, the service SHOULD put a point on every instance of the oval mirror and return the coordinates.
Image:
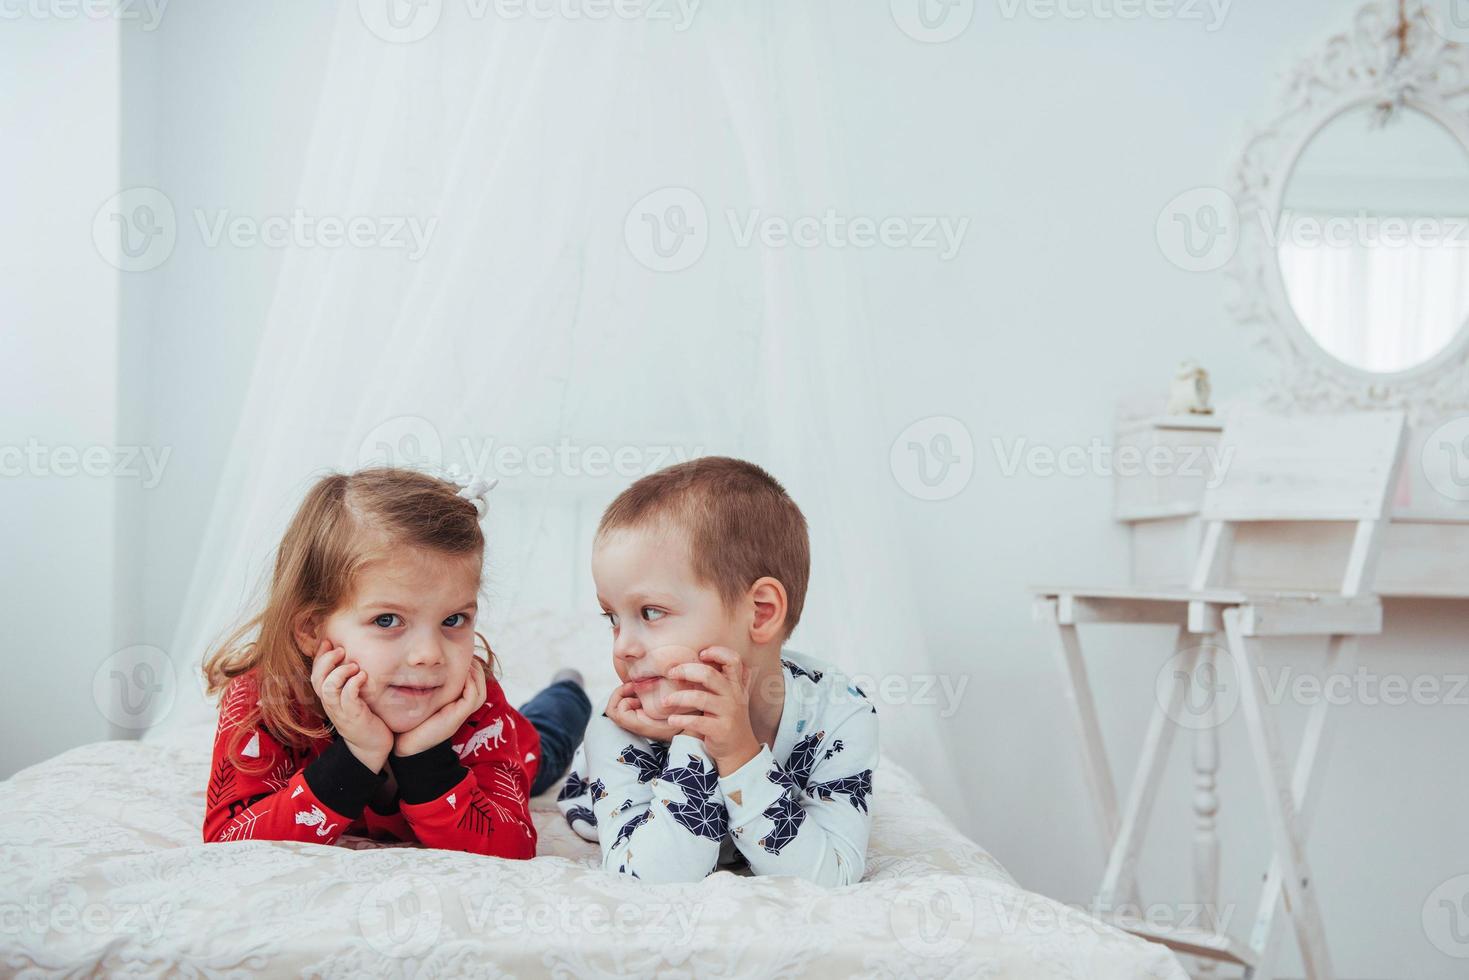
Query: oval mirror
(1373, 238)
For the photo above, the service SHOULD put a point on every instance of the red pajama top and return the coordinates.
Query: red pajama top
(469, 793)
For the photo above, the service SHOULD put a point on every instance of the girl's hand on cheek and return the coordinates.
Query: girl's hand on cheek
(719, 712)
(339, 684)
(626, 712)
(442, 724)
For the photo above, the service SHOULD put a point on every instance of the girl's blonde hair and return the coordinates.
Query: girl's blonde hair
(345, 521)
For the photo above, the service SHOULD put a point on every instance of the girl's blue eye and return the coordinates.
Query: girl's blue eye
(385, 621)
(458, 619)
(652, 614)
(611, 618)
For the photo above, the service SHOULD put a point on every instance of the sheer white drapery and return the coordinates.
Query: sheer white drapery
(546, 337)
(1375, 302)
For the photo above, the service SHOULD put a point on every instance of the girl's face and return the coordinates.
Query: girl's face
(661, 614)
(410, 625)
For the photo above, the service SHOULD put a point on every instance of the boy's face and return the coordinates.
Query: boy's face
(410, 624)
(661, 614)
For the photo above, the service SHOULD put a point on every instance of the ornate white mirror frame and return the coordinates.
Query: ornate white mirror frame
(1392, 58)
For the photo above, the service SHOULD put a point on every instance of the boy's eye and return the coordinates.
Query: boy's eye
(385, 621)
(610, 617)
(652, 614)
(458, 619)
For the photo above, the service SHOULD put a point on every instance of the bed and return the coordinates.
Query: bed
(102, 872)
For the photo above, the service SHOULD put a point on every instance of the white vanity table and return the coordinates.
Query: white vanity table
(1371, 134)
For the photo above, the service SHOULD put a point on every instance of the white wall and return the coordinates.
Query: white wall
(1061, 141)
(221, 98)
(1064, 141)
(58, 371)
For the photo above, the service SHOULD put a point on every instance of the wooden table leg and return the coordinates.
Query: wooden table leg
(1206, 800)
(1280, 803)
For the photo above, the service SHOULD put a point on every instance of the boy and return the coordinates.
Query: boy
(718, 745)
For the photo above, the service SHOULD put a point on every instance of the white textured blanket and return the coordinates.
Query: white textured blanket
(102, 870)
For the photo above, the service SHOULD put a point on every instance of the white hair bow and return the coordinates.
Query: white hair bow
(475, 490)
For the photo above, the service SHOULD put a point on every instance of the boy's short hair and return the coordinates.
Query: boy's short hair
(741, 525)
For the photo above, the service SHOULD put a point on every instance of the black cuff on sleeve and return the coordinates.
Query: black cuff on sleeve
(340, 780)
(429, 774)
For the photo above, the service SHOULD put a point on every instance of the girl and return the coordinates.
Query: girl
(354, 701)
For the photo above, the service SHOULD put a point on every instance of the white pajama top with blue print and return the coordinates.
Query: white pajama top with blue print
(662, 813)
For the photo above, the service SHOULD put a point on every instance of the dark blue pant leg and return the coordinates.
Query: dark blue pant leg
(560, 714)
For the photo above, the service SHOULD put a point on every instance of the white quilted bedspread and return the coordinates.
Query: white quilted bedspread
(102, 871)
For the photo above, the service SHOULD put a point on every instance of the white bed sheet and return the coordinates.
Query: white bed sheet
(102, 871)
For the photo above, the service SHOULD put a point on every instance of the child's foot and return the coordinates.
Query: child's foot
(569, 674)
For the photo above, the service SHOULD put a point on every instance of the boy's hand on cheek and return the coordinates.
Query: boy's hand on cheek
(442, 724)
(338, 683)
(722, 704)
(626, 712)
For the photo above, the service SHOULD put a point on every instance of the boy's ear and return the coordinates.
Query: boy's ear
(768, 597)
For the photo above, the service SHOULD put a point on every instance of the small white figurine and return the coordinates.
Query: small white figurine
(1189, 394)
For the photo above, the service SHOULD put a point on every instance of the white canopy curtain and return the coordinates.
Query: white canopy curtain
(529, 322)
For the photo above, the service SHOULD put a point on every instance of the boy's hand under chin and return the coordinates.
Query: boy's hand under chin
(625, 710)
(720, 712)
(442, 724)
